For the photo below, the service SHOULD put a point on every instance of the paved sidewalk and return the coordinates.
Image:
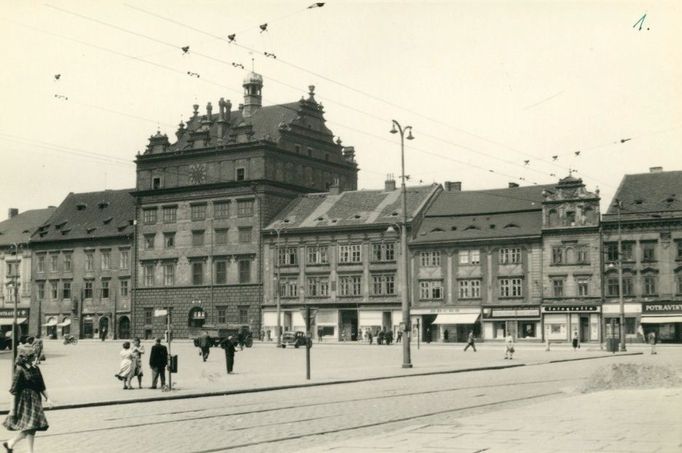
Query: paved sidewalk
(83, 374)
(637, 421)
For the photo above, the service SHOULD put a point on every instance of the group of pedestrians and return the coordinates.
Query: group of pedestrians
(508, 345)
(131, 364)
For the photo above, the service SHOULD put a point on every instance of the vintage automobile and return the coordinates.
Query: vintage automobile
(241, 334)
(295, 339)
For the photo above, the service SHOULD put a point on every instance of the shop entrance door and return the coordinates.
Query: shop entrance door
(349, 325)
(429, 330)
(584, 329)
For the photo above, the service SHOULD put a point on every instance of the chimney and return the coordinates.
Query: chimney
(209, 112)
(228, 109)
(453, 186)
(513, 185)
(655, 169)
(389, 184)
(12, 212)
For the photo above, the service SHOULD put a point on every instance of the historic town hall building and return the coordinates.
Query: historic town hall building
(202, 201)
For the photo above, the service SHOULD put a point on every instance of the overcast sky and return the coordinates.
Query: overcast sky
(486, 86)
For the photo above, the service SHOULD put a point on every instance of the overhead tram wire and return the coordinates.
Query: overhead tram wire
(141, 35)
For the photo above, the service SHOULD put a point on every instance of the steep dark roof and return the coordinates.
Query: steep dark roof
(488, 201)
(91, 215)
(648, 193)
(19, 228)
(360, 207)
(483, 214)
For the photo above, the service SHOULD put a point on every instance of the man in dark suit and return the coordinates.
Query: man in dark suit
(228, 346)
(205, 345)
(158, 359)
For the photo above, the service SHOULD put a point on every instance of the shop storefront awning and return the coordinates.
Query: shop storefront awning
(50, 323)
(10, 321)
(66, 322)
(456, 318)
(660, 319)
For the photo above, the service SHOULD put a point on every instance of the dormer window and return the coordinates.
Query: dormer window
(81, 206)
(102, 204)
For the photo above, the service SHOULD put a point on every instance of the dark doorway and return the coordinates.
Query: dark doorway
(88, 328)
(124, 327)
(428, 328)
(584, 329)
(349, 325)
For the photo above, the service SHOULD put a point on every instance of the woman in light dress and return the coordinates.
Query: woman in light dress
(125, 370)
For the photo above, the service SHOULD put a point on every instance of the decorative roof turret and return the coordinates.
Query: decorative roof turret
(253, 100)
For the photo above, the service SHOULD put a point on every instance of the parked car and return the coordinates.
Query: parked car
(295, 339)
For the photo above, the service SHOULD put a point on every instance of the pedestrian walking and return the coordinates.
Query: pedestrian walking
(652, 341)
(370, 337)
(399, 337)
(576, 341)
(509, 351)
(470, 341)
(158, 359)
(26, 413)
(428, 336)
(38, 348)
(205, 345)
(138, 351)
(380, 337)
(228, 346)
(446, 335)
(640, 334)
(103, 333)
(389, 337)
(125, 369)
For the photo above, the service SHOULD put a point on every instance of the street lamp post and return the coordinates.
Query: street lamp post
(407, 362)
(619, 205)
(277, 229)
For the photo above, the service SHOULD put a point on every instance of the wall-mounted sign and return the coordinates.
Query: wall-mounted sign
(9, 312)
(570, 308)
(511, 312)
(661, 307)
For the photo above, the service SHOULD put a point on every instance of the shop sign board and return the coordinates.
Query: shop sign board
(435, 311)
(570, 308)
(661, 307)
(511, 312)
(9, 312)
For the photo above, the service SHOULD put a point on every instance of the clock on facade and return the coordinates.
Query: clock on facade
(197, 173)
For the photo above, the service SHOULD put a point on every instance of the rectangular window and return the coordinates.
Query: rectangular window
(221, 209)
(648, 251)
(383, 251)
(288, 287)
(148, 275)
(612, 251)
(197, 238)
(87, 293)
(41, 263)
(649, 285)
(583, 287)
(54, 290)
(318, 287)
(53, 263)
(510, 256)
(612, 287)
(244, 271)
(89, 262)
(12, 269)
(288, 256)
(317, 255)
(148, 241)
(511, 287)
(124, 286)
(245, 235)
(105, 289)
(679, 250)
(630, 326)
(148, 316)
(244, 208)
(430, 258)
(170, 214)
(431, 290)
(168, 240)
(351, 253)
(627, 249)
(124, 258)
(582, 256)
(469, 289)
(469, 257)
(557, 255)
(197, 273)
(106, 260)
(149, 216)
(350, 285)
(222, 314)
(41, 290)
(66, 290)
(244, 314)
(67, 262)
(169, 274)
(558, 287)
(627, 286)
(221, 272)
(241, 174)
(383, 285)
(221, 236)
(679, 285)
(198, 212)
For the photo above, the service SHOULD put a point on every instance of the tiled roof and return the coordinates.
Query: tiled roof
(19, 228)
(488, 201)
(649, 193)
(360, 207)
(91, 215)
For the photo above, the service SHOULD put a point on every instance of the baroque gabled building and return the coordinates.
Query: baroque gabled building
(645, 216)
(571, 281)
(203, 200)
(81, 266)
